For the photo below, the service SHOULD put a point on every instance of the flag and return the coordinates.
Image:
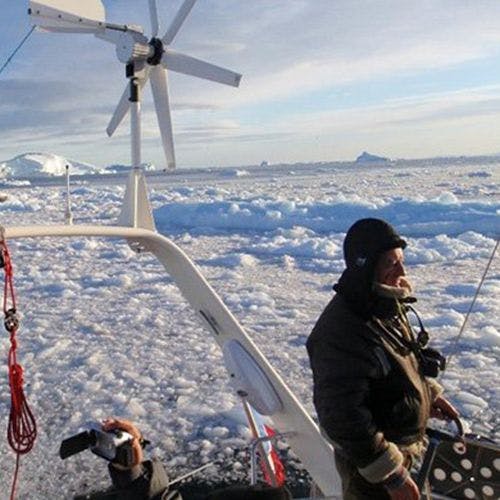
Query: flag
(272, 467)
(274, 460)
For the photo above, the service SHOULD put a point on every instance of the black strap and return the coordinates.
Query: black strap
(422, 336)
(402, 345)
(393, 336)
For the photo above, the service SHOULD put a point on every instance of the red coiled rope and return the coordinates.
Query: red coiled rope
(21, 432)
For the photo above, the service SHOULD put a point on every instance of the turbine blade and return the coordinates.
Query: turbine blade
(120, 112)
(180, 17)
(124, 105)
(153, 13)
(181, 63)
(160, 97)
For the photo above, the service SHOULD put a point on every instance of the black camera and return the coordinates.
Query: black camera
(432, 362)
(114, 446)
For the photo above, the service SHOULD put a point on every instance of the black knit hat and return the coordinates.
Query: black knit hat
(367, 239)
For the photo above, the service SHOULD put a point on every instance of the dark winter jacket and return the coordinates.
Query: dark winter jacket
(372, 402)
(147, 481)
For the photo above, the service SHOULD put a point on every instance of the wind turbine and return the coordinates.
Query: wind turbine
(144, 60)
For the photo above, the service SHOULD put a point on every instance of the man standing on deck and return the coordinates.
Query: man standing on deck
(372, 390)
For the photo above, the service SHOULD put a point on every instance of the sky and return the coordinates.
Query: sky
(323, 80)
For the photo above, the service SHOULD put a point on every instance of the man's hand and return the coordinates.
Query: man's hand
(407, 491)
(125, 425)
(443, 409)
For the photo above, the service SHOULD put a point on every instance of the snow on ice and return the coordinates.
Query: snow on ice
(106, 332)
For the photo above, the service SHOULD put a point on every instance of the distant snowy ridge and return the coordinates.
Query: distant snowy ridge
(43, 164)
(365, 157)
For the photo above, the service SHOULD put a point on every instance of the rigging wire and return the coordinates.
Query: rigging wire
(9, 59)
(478, 289)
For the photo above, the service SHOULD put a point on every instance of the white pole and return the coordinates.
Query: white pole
(68, 216)
(135, 134)
(135, 122)
(136, 210)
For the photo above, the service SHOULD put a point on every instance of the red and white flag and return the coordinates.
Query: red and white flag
(272, 467)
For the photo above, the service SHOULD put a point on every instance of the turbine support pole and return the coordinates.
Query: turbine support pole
(135, 116)
(135, 134)
(136, 211)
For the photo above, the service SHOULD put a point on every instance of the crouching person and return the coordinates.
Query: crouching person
(141, 479)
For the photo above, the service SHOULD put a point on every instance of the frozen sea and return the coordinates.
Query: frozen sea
(106, 332)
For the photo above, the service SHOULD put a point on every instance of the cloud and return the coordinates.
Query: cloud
(358, 42)
(196, 106)
(419, 109)
(459, 105)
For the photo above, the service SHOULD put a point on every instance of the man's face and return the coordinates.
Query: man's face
(390, 267)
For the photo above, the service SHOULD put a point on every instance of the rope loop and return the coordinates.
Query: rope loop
(21, 432)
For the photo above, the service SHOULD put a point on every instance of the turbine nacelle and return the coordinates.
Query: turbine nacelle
(133, 47)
